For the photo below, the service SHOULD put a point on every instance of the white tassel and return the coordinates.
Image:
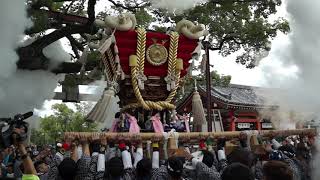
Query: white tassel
(168, 87)
(173, 84)
(117, 59)
(123, 76)
(106, 45)
(140, 83)
(197, 109)
(116, 50)
(102, 109)
(141, 78)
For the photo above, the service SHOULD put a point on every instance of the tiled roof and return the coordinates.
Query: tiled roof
(236, 94)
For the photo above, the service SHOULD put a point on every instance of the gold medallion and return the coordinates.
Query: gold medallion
(157, 54)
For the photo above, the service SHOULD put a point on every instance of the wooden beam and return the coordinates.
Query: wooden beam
(82, 97)
(192, 135)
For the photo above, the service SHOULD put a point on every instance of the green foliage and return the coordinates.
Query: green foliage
(94, 56)
(38, 137)
(241, 25)
(216, 80)
(159, 28)
(40, 22)
(143, 18)
(220, 79)
(57, 5)
(63, 120)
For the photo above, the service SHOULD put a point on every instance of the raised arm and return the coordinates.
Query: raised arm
(26, 160)
(139, 154)
(29, 169)
(85, 160)
(155, 156)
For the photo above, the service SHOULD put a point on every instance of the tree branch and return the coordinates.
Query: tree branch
(91, 11)
(74, 45)
(64, 18)
(224, 39)
(130, 8)
(68, 7)
(69, 29)
(68, 67)
(233, 1)
(31, 56)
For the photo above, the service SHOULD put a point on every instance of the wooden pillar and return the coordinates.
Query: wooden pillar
(208, 85)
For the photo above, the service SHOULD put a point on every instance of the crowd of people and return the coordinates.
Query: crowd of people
(96, 159)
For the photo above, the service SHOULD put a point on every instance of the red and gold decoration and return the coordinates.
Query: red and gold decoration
(151, 63)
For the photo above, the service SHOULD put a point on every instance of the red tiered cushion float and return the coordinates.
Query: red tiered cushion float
(127, 44)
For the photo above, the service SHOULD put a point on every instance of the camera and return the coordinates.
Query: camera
(7, 126)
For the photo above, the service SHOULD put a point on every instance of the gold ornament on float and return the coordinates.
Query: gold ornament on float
(157, 54)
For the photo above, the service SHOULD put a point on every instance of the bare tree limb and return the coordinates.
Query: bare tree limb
(69, 29)
(91, 11)
(68, 7)
(75, 45)
(233, 1)
(225, 39)
(68, 67)
(64, 18)
(31, 57)
(75, 42)
(130, 8)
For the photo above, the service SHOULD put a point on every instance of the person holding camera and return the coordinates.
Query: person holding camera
(30, 172)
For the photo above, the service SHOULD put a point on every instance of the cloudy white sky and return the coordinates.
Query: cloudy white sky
(257, 76)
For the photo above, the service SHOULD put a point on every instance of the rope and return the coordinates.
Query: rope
(173, 51)
(141, 48)
(105, 63)
(172, 63)
(112, 63)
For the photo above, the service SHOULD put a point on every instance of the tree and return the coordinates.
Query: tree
(239, 25)
(234, 25)
(216, 79)
(242, 26)
(63, 120)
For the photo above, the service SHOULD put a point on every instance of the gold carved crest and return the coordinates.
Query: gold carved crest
(157, 54)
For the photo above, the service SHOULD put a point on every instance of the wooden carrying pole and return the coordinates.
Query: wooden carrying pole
(186, 136)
